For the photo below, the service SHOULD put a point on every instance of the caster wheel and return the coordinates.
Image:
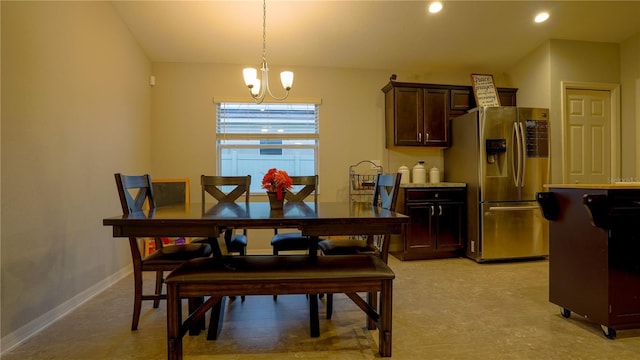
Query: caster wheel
(608, 332)
(565, 313)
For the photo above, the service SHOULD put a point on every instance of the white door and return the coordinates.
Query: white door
(588, 136)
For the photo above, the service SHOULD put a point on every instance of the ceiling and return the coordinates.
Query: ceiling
(386, 35)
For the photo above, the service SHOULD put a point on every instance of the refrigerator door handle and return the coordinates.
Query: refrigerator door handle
(511, 208)
(513, 155)
(523, 146)
(517, 172)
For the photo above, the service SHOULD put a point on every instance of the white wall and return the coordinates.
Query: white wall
(183, 115)
(540, 74)
(577, 61)
(75, 110)
(533, 73)
(0, 182)
(630, 110)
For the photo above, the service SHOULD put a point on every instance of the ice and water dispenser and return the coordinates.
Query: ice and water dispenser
(496, 150)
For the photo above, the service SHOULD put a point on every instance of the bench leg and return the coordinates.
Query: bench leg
(217, 317)
(174, 321)
(386, 308)
(372, 299)
(314, 317)
(194, 303)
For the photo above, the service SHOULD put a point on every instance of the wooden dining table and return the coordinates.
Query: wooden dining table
(209, 220)
(315, 220)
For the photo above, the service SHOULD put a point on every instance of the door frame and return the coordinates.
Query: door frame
(637, 114)
(614, 99)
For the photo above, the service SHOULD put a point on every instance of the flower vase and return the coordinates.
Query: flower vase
(274, 202)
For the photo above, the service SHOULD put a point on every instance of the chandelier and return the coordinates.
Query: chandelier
(258, 88)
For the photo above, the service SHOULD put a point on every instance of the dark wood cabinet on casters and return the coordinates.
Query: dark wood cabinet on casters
(436, 228)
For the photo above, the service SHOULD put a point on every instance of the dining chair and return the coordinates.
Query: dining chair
(168, 192)
(385, 196)
(303, 187)
(136, 194)
(227, 189)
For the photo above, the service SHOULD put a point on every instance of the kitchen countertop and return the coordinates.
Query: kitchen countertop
(437, 185)
(619, 185)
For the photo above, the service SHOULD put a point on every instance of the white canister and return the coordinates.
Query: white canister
(405, 175)
(419, 173)
(434, 175)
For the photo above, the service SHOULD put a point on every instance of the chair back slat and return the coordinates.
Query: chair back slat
(386, 191)
(309, 187)
(385, 195)
(214, 186)
(135, 192)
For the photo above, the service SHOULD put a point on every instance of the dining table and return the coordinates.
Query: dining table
(313, 219)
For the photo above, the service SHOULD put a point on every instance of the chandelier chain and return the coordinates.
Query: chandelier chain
(260, 87)
(264, 31)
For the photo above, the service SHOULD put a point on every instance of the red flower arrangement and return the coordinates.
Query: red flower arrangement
(277, 181)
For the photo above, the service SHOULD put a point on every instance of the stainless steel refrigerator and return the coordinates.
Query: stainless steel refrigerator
(502, 154)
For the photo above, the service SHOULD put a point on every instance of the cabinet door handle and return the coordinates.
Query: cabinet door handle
(432, 210)
(512, 208)
(419, 137)
(440, 210)
(426, 137)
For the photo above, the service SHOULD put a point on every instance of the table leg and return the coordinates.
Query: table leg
(386, 308)
(313, 247)
(314, 317)
(222, 244)
(174, 321)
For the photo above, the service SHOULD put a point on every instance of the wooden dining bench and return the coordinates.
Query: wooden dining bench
(276, 275)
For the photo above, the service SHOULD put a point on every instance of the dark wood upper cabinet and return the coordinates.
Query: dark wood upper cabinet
(436, 117)
(507, 96)
(418, 114)
(461, 99)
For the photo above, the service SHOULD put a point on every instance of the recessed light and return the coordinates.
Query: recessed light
(541, 17)
(435, 7)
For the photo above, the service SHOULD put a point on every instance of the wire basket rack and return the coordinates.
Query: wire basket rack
(362, 178)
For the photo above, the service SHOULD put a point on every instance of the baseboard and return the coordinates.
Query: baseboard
(10, 341)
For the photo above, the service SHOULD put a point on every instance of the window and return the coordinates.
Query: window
(270, 151)
(252, 138)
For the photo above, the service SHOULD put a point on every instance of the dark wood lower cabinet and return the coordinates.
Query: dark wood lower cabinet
(436, 227)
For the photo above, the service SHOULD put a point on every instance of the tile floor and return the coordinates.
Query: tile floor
(443, 309)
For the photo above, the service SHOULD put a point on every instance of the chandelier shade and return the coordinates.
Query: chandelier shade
(259, 86)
